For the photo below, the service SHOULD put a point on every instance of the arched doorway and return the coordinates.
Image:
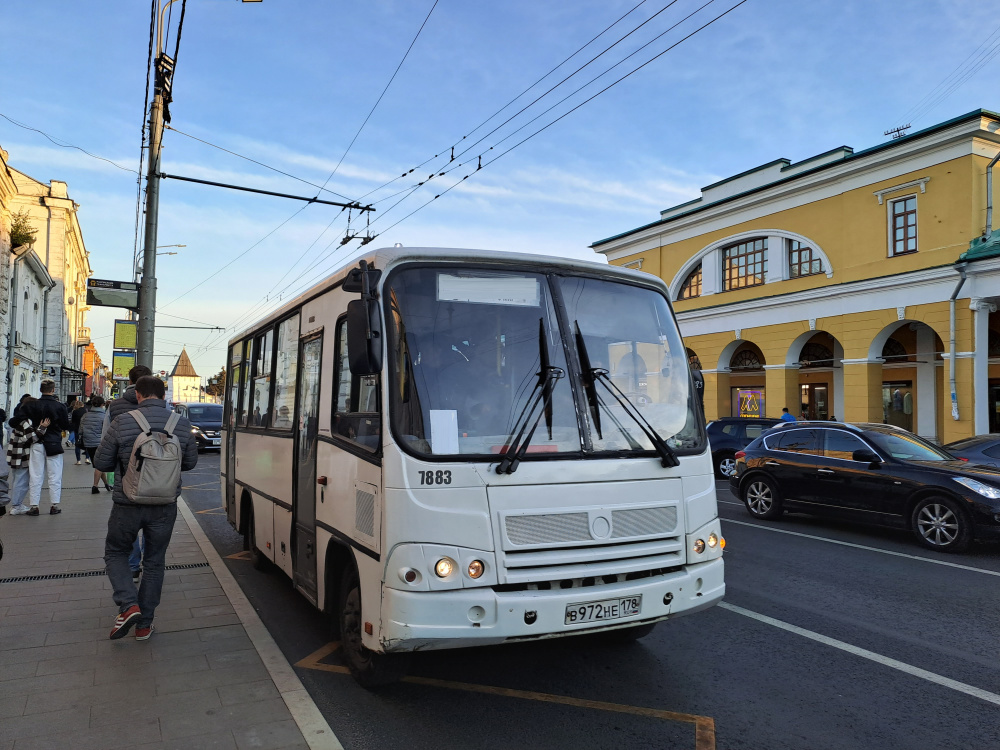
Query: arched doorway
(818, 356)
(747, 380)
(911, 353)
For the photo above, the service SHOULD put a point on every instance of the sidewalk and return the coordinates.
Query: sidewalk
(209, 677)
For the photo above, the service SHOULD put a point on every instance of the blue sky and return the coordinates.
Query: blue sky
(289, 82)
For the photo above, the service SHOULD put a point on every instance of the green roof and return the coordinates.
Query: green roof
(982, 248)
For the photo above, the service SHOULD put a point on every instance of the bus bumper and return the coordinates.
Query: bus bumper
(426, 620)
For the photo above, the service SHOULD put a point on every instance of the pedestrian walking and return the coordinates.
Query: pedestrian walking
(91, 428)
(75, 417)
(143, 501)
(23, 435)
(115, 408)
(46, 462)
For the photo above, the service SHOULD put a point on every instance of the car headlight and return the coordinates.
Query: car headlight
(986, 490)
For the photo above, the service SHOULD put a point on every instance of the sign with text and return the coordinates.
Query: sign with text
(751, 404)
(121, 363)
(126, 333)
(106, 293)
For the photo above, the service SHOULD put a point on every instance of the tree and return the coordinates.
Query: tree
(218, 388)
(21, 230)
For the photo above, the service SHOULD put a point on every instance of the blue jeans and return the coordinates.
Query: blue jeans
(135, 559)
(19, 483)
(125, 522)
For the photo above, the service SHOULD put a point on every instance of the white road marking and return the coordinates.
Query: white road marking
(863, 546)
(923, 674)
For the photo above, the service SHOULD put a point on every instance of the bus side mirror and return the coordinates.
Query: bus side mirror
(364, 337)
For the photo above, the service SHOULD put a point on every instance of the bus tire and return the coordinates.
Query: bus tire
(628, 635)
(369, 669)
(257, 558)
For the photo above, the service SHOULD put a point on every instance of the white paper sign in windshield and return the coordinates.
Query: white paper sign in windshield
(516, 291)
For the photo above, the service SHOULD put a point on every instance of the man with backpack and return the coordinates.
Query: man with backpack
(147, 448)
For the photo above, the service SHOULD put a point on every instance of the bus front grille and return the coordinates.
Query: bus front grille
(570, 563)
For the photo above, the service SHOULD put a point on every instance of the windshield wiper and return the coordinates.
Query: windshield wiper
(517, 442)
(592, 376)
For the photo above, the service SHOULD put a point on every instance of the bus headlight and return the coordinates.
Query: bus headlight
(444, 567)
(476, 568)
(712, 540)
(699, 546)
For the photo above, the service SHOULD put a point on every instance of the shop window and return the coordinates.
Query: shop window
(744, 264)
(897, 404)
(903, 227)
(748, 403)
(692, 285)
(993, 347)
(802, 261)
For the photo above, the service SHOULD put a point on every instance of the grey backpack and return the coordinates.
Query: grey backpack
(154, 466)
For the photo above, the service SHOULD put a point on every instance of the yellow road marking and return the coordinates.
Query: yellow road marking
(210, 510)
(197, 486)
(704, 726)
(244, 555)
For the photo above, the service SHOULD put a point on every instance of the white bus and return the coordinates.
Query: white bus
(446, 448)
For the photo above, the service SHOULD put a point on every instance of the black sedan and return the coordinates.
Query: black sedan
(981, 449)
(731, 434)
(206, 423)
(871, 473)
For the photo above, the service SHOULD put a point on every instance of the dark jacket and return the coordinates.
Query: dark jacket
(127, 402)
(116, 445)
(75, 416)
(51, 407)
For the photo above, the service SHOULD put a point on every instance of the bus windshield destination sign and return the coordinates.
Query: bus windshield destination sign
(105, 293)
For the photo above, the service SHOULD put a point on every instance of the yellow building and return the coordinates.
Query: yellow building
(856, 285)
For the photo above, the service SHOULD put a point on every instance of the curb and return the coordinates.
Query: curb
(315, 729)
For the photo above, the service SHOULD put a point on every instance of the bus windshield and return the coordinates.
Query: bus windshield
(469, 348)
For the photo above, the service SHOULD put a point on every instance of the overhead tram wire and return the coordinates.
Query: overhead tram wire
(368, 117)
(505, 106)
(413, 188)
(566, 114)
(930, 98)
(65, 144)
(391, 79)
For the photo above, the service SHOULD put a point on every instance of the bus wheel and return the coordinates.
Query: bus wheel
(627, 635)
(257, 558)
(371, 670)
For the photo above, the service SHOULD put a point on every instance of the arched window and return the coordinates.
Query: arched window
(802, 261)
(893, 351)
(692, 285)
(815, 355)
(744, 264)
(746, 358)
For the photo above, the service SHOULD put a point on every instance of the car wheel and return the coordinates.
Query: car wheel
(725, 465)
(940, 523)
(371, 670)
(761, 498)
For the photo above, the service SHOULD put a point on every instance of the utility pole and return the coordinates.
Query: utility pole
(163, 76)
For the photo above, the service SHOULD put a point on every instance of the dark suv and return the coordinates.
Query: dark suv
(206, 423)
(872, 473)
(731, 434)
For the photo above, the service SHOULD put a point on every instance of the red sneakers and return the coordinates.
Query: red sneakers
(125, 621)
(142, 634)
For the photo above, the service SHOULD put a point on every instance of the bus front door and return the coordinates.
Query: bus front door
(307, 423)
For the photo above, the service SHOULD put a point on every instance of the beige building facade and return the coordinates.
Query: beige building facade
(851, 285)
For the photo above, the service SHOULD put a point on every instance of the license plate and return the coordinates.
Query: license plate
(216, 441)
(606, 609)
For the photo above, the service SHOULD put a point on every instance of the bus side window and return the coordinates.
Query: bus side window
(261, 387)
(241, 413)
(356, 411)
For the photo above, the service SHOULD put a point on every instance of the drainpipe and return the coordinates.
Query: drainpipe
(989, 196)
(960, 267)
(10, 333)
